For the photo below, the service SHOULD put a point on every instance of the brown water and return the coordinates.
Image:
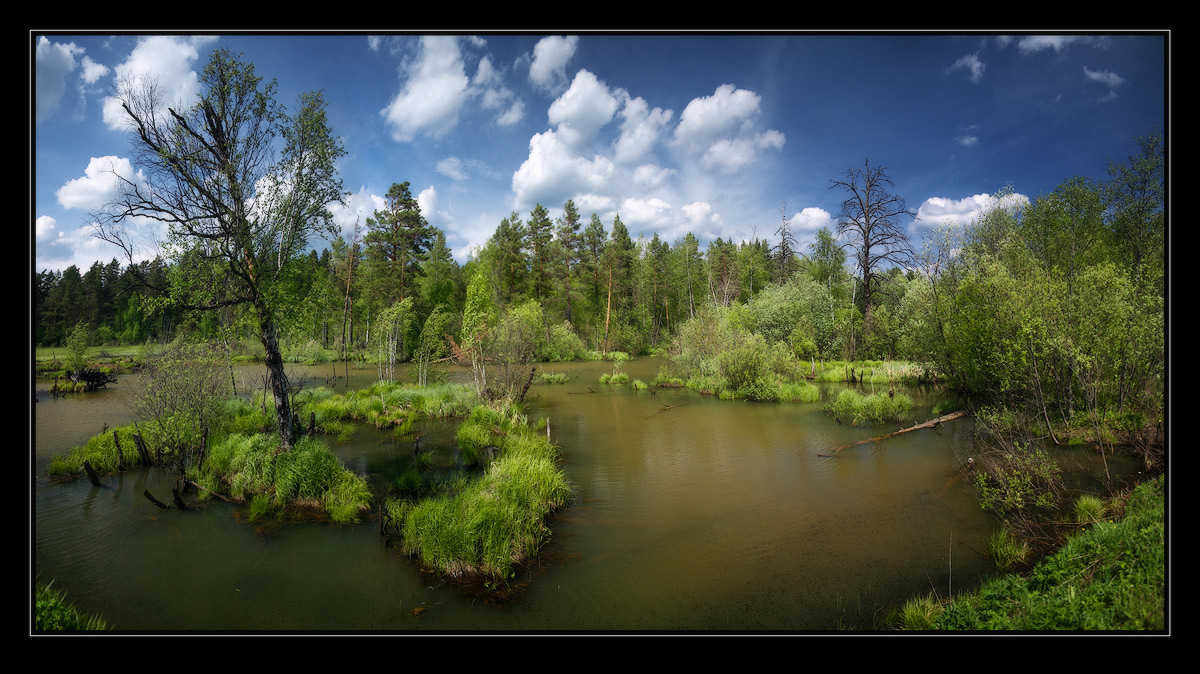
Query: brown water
(711, 515)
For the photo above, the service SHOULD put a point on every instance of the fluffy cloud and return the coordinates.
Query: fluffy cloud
(548, 71)
(941, 211)
(811, 219)
(702, 220)
(729, 155)
(434, 92)
(165, 60)
(100, 183)
(552, 173)
(357, 208)
(967, 140)
(651, 214)
(709, 117)
(582, 110)
(649, 176)
(452, 168)
(494, 95)
(45, 229)
(427, 200)
(640, 130)
(971, 64)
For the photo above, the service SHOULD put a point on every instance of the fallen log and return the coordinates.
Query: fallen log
(220, 496)
(928, 424)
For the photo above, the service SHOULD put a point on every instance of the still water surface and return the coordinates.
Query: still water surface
(712, 515)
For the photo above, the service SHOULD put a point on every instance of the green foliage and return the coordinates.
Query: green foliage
(551, 378)
(920, 613)
(1088, 509)
(77, 345)
(53, 613)
(1111, 576)
(489, 524)
(1007, 550)
(875, 408)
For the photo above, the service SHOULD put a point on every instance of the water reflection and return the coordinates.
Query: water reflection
(709, 515)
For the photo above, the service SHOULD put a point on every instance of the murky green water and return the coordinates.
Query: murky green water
(710, 515)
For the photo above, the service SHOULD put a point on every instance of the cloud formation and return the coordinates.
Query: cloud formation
(548, 70)
(165, 60)
(942, 211)
(582, 110)
(971, 64)
(434, 91)
(99, 185)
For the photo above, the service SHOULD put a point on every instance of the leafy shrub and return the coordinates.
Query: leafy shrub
(1088, 509)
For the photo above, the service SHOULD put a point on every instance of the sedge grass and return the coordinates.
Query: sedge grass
(53, 613)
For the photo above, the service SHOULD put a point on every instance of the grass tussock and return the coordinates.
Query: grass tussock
(875, 408)
(248, 468)
(487, 525)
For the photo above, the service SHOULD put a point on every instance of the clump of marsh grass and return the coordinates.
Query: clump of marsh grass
(920, 613)
(487, 525)
(551, 378)
(1007, 550)
(875, 408)
(1089, 509)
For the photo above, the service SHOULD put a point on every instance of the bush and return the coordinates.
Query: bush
(1006, 550)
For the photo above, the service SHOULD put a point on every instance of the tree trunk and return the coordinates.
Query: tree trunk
(278, 381)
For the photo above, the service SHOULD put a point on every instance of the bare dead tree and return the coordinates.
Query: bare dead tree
(872, 222)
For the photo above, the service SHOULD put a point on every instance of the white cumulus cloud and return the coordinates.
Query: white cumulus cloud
(553, 172)
(100, 183)
(640, 130)
(709, 117)
(582, 110)
(164, 59)
(434, 91)
(941, 211)
(548, 71)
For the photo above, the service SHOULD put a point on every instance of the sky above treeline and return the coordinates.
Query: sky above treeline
(719, 135)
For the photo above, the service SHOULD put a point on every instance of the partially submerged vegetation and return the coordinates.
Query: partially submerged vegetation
(487, 525)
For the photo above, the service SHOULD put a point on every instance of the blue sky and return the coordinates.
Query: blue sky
(711, 134)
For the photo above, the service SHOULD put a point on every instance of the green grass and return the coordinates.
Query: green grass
(1088, 509)
(488, 525)
(876, 408)
(1007, 550)
(551, 378)
(1111, 576)
(53, 613)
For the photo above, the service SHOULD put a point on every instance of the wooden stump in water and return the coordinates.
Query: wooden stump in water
(120, 454)
(87, 467)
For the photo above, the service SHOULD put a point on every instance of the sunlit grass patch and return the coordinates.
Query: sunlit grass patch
(53, 613)
(875, 408)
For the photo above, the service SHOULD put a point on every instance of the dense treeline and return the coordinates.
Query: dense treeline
(1056, 304)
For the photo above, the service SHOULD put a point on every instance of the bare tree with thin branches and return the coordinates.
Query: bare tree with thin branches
(871, 221)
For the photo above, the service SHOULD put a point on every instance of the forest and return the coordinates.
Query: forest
(1046, 319)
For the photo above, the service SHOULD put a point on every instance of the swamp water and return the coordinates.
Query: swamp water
(710, 515)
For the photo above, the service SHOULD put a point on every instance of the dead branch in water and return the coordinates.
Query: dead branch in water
(928, 424)
(667, 407)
